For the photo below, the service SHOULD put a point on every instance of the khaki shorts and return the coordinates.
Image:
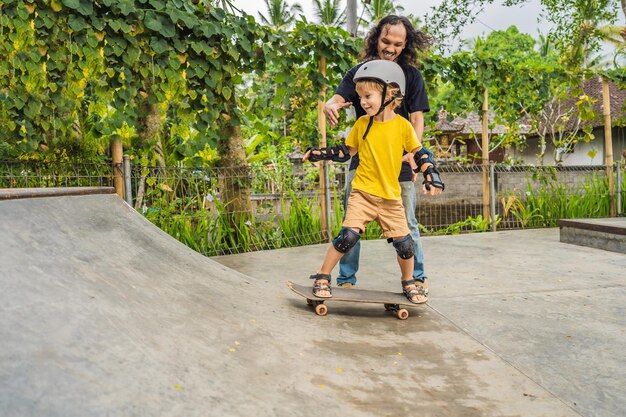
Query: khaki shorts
(389, 214)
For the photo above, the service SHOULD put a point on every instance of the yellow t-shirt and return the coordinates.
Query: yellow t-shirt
(380, 155)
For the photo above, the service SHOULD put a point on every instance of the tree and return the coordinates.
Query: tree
(518, 79)
(329, 13)
(377, 9)
(558, 123)
(576, 26)
(280, 14)
(576, 22)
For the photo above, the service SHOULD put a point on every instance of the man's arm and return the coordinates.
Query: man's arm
(332, 107)
(417, 120)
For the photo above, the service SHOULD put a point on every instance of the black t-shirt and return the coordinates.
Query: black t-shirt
(415, 99)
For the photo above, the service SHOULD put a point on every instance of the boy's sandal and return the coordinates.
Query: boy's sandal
(412, 292)
(319, 286)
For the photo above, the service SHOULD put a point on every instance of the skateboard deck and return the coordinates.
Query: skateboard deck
(390, 300)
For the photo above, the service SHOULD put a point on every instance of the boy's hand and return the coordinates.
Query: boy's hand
(433, 185)
(331, 110)
(432, 191)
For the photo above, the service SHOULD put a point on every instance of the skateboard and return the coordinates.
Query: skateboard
(391, 301)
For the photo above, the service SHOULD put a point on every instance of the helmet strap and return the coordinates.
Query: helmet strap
(383, 104)
(382, 100)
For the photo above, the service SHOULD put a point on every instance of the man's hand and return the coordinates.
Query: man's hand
(409, 158)
(331, 110)
(307, 154)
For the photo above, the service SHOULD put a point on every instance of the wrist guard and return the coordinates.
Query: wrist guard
(339, 153)
(420, 160)
(435, 178)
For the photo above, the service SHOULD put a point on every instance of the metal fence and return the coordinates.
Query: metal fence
(520, 197)
(33, 174)
(220, 211)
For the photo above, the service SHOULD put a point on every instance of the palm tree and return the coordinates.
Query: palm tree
(377, 9)
(280, 14)
(328, 12)
(417, 22)
(615, 35)
(545, 46)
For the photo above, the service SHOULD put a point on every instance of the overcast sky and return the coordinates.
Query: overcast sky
(494, 17)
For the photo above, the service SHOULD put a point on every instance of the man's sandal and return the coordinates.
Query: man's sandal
(417, 290)
(321, 286)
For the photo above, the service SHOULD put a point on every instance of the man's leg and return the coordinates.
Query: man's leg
(349, 264)
(409, 200)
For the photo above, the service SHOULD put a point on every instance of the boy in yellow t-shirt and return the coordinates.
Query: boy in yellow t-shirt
(380, 138)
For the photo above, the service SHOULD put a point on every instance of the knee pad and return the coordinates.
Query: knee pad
(346, 239)
(405, 247)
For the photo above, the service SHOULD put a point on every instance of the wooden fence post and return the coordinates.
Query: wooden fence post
(117, 154)
(324, 192)
(485, 158)
(608, 144)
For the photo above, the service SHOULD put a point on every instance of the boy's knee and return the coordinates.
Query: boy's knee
(346, 239)
(405, 247)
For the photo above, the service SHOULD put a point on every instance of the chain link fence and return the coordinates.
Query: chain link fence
(520, 197)
(38, 174)
(258, 207)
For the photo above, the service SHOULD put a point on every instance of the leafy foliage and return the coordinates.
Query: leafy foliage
(111, 58)
(163, 76)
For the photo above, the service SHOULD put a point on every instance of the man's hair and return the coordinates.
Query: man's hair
(416, 40)
(367, 85)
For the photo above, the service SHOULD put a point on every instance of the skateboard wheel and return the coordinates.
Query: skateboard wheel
(388, 307)
(403, 314)
(309, 302)
(321, 310)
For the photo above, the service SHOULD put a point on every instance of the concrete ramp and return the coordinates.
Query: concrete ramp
(103, 314)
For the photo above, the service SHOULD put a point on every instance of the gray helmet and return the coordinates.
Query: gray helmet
(382, 70)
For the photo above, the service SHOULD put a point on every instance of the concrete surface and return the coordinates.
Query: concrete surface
(105, 315)
(606, 233)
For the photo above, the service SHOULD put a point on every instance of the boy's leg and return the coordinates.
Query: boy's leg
(349, 263)
(409, 201)
(346, 238)
(406, 266)
(412, 289)
(394, 223)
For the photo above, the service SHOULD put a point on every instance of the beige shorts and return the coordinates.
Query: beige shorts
(389, 214)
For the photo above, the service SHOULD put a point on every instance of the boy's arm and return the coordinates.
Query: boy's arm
(338, 153)
(432, 180)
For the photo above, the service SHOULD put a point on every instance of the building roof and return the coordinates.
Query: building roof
(444, 126)
(472, 124)
(593, 88)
